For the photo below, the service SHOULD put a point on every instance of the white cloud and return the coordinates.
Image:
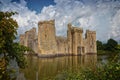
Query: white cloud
(26, 18)
(100, 15)
(89, 15)
(115, 31)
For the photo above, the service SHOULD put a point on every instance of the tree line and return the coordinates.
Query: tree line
(111, 46)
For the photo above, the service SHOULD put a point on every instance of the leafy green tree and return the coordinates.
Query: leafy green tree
(8, 49)
(99, 45)
(118, 47)
(111, 45)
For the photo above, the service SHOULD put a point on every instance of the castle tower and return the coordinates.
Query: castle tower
(90, 41)
(46, 37)
(77, 41)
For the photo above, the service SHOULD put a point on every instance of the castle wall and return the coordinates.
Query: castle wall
(62, 45)
(46, 37)
(48, 43)
(28, 38)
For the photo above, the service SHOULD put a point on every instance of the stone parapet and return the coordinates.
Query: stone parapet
(47, 22)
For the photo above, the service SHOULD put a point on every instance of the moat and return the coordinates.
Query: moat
(46, 68)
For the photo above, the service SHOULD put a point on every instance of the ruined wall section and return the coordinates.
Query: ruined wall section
(90, 41)
(30, 35)
(28, 38)
(46, 37)
(62, 47)
(22, 39)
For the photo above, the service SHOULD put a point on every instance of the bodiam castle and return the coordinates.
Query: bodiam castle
(47, 43)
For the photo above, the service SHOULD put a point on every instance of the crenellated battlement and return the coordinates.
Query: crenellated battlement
(76, 29)
(47, 22)
(90, 32)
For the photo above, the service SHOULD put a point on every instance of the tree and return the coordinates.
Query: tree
(99, 45)
(8, 49)
(111, 45)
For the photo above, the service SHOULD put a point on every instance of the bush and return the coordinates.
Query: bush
(109, 71)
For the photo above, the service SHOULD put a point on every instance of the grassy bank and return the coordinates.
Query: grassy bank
(106, 52)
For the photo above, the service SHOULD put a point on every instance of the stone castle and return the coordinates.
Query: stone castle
(46, 42)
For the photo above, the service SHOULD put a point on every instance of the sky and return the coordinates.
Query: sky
(103, 16)
(37, 5)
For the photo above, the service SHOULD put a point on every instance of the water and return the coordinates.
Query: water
(41, 68)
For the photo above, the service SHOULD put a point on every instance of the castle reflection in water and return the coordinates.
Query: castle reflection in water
(41, 68)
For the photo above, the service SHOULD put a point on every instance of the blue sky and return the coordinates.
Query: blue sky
(103, 16)
(37, 4)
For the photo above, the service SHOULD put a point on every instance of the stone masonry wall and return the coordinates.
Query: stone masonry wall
(62, 45)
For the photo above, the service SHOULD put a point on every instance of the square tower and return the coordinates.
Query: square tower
(46, 37)
(90, 37)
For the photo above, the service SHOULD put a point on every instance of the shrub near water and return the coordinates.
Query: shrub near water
(109, 71)
(70, 75)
